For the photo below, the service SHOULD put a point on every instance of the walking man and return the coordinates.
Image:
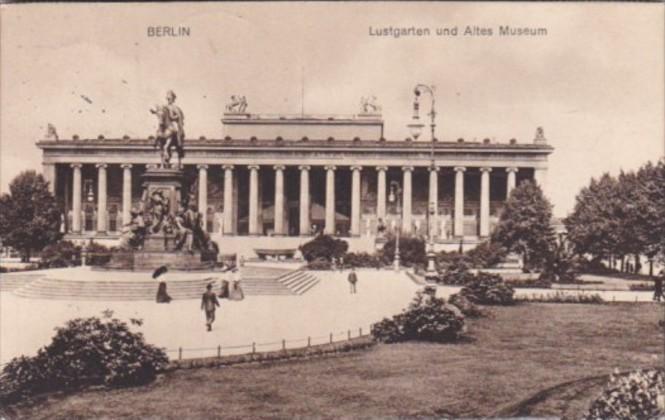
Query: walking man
(209, 303)
(353, 279)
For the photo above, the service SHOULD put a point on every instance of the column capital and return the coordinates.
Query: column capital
(101, 165)
(279, 167)
(433, 168)
(330, 167)
(227, 167)
(253, 167)
(381, 168)
(304, 167)
(512, 169)
(126, 165)
(460, 168)
(202, 166)
(356, 168)
(407, 168)
(76, 165)
(485, 169)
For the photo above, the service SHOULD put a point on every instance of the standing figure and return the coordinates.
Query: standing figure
(658, 288)
(236, 292)
(162, 295)
(353, 279)
(170, 130)
(209, 304)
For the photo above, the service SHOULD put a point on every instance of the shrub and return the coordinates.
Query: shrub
(488, 289)
(362, 260)
(325, 247)
(319, 264)
(86, 351)
(411, 251)
(529, 283)
(427, 318)
(467, 307)
(98, 254)
(61, 254)
(638, 395)
(486, 254)
(560, 297)
(642, 287)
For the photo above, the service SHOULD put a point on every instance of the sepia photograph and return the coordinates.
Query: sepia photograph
(332, 210)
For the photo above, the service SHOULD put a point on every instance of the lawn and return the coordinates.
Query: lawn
(509, 356)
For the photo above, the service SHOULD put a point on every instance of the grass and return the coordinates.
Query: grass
(509, 356)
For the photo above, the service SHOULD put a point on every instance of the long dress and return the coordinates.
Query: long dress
(236, 292)
(162, 295)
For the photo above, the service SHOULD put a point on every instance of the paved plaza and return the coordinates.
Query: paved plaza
(27, 324)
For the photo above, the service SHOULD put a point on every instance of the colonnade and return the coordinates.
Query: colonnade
(305, 196)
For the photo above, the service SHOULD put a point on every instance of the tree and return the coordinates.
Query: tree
(525, 225)
(29, 215)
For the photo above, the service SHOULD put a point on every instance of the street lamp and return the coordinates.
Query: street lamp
(416, 128)
(394, 197)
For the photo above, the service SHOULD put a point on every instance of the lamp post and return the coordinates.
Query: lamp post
(416, 127)
(394, 197)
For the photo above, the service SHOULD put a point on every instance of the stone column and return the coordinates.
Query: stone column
(485, 201)
(304, 200)
(228, 199)
(279, 200)
(254, 200)
(459, 201)
(48, 172)
(407, 172)
(203, 193)
(330, 200)
(101, 197)
(355, 200)
(512, 172)
(126, 193)
(540, 176)
(76, 198)
(381, 192)
(433, 205)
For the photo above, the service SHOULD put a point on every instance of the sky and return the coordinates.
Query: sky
(595, 82)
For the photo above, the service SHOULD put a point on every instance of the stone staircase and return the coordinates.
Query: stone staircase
(12, 281)
(299, 281)
(256, 281)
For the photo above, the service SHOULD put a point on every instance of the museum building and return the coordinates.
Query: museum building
(279, 179)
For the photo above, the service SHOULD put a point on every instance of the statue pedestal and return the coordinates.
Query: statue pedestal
(169, 181)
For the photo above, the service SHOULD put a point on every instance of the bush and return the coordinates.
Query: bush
(529, 283)
(319, 264)
(411, 251)
(467, 307)
(323, 247)
(362, 260)
(486, 255)
(61, 254)
(488, 289)
(642, 287)
(87, 351)
(560, 297)
(638, 395)
(97, 254)
(427, 318)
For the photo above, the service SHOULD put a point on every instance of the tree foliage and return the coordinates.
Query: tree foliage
(29, 215)
(525, 225)
(622, 215)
